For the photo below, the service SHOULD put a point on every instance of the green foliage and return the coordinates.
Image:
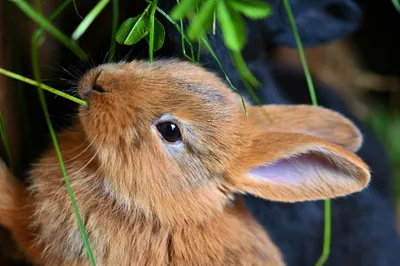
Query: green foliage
(159, 35)
(253, 9)
(89, 19)
(150, 39)
(232, 26)
(396, 4)
(135, 29)
(184, 8)
(114, 31)
(202, 22)
(228, 13)
(46, 24)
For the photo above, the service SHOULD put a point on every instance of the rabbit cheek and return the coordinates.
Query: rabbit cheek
(107, 122)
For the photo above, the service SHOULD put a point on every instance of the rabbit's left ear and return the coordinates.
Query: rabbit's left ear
(292, 167)
(307, 119)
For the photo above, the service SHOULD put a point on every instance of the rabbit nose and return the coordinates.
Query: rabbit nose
(96, 87)
(86, 92)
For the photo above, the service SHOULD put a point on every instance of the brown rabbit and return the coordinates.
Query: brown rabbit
(157, 164)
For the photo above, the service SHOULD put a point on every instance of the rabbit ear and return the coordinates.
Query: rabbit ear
(311, 120)
(292, 167)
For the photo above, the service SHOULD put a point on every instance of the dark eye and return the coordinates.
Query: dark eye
(170, 131)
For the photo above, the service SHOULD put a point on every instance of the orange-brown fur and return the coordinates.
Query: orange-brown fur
(145, 202)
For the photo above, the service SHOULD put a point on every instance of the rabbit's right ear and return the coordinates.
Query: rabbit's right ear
(290, 167)
(307, 119)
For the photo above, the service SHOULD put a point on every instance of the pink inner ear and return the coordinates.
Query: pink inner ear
(299, 169)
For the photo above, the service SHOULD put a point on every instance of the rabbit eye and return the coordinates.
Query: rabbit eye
(170, 131)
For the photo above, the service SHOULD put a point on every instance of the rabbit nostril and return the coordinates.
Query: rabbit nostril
(98, 88)
(86, 92)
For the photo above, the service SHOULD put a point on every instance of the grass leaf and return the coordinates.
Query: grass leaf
(233, 27)
(214, 55)
(299, 45)
(396, 4)
(76, 9)
(36, 72)
(159, 35)
(150, 39)
(43, 86)
(89, 19)
(134, 29)
(243, 70)
(326, 249)
(254, 9)
(180, 30)
(114, 31)
(183, 8)
(202, 21)
(45, 24)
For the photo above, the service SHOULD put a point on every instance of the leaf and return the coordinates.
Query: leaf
(202, 21)
(134, 29)
(183, 8)
(89, 19)
(159, 35)
(254, 9)
(232, 26)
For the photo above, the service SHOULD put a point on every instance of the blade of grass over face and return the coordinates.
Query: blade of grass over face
(5, 142)
(45, 24)
(114, 30)
(327, 203)
(43, 86)
(151, 41)
(84, 25)
(36, 72)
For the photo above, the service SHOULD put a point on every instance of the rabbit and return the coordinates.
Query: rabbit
(159, 161)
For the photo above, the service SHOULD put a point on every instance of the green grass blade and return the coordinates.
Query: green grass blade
(76, 9)
(327, 203)
(5, 142)
(214, 55)
(243, 70)
(301, 52)
(43, 86)
(180, 30)
(84, 25)
(396, 4)
(151, 41)
(36, 72)
(114, 31)
(45, 24)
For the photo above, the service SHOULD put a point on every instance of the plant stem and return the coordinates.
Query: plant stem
(43, 86)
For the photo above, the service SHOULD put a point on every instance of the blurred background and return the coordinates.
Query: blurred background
(360, 64)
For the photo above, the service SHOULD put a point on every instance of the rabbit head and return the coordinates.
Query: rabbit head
(174, 141)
